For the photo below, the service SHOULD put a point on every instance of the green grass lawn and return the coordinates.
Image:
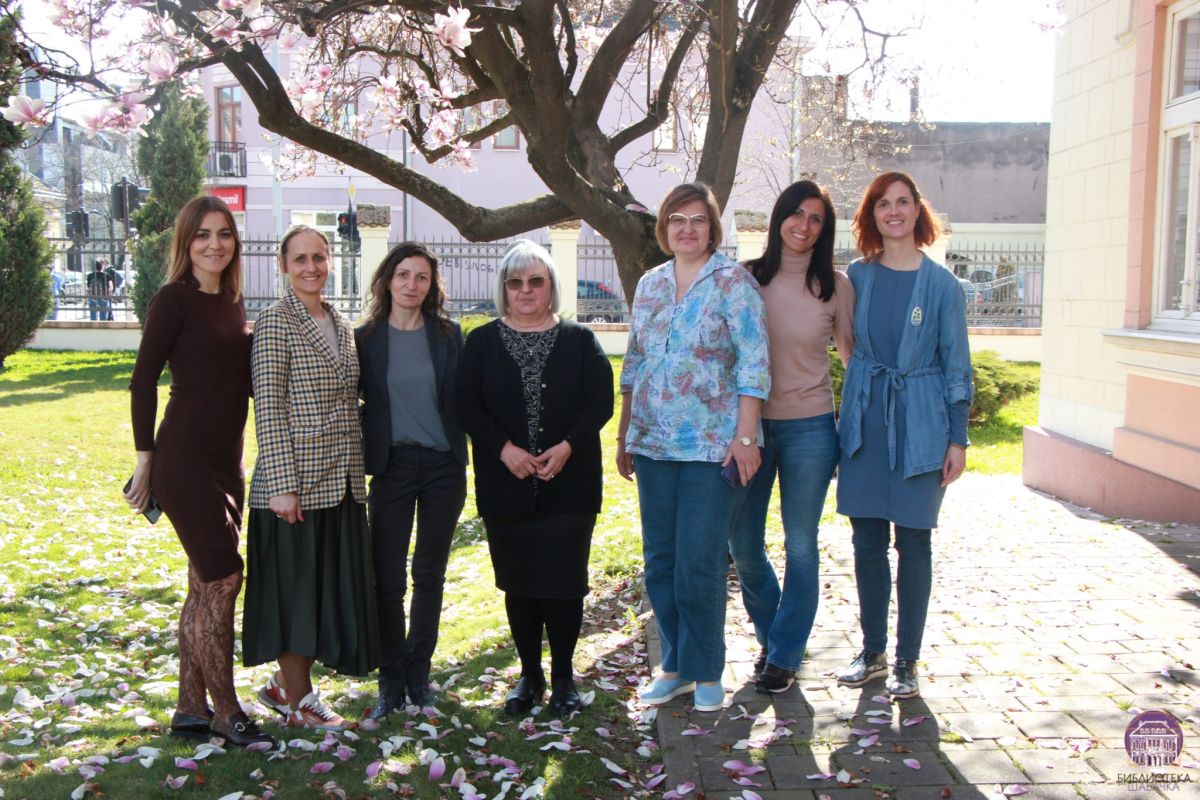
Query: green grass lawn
(89, 595)
(996, 443)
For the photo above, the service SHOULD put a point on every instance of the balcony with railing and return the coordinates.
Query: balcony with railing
(226, 160)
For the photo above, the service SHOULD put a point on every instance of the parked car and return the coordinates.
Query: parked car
(601, 304)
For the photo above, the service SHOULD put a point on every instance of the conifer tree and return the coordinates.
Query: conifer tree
(172, 157)
(24, 253)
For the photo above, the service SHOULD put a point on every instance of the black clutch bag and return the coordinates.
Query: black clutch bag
(152, 511)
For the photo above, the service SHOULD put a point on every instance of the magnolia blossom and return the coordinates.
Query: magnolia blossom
(162, 65)
(26, 111)
(451, 29)
(443, 128)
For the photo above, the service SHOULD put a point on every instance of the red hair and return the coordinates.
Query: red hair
(870, 240)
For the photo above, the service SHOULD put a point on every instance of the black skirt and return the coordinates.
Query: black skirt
(541, 555)
(310, 589)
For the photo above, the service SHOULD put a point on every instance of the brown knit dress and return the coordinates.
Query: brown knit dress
(197, 473)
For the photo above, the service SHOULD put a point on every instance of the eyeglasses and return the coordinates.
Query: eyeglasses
(533, 282)
(682, 220)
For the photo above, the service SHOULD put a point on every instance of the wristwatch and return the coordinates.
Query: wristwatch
(746, 440)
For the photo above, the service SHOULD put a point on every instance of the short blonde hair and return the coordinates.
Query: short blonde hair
(520, 256)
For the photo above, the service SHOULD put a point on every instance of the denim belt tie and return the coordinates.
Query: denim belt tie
(895, 383)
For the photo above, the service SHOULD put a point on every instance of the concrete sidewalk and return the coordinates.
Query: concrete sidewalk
(1049, 629)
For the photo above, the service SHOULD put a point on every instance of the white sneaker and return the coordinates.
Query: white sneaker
(311, 713)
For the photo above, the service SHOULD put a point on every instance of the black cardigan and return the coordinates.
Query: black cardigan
(577, 399)
(372, 347)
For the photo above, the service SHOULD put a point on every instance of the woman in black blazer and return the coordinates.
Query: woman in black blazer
(534, 391)
(408, 353)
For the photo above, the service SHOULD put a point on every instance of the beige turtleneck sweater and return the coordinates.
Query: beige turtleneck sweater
(800, 327)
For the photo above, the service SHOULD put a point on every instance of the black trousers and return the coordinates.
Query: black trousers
(432, 486)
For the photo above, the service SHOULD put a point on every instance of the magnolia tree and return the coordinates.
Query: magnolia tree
(452, 75)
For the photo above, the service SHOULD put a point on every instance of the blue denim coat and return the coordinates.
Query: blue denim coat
(933, 369)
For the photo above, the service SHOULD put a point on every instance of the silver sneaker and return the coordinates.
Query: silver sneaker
(903, 682)
(865, 666)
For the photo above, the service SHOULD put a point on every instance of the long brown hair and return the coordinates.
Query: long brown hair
(187, 222)
(870, 240)
(379, 305)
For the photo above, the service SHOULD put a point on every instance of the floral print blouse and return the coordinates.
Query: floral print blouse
(687, 363)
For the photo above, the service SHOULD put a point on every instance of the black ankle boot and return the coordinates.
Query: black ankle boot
(564, 697)
(525, 695)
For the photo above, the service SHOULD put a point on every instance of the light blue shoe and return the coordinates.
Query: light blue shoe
(710, 698)
(664, 689)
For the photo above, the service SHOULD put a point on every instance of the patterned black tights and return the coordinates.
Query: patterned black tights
(206, 645)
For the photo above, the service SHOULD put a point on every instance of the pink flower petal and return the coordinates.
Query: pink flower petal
(259, 747)
(868, 741)
(914, 721)
(173, 782)
(1013, 790)
(184, 763)
(373, 769)
(743, 781)
(749, 795)
(887, 701)
(437, 769)
(912, 763)
(819, 776)
(321, 767)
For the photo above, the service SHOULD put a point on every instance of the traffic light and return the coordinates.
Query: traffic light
(348, 225)
(125, 197)
(77, 224)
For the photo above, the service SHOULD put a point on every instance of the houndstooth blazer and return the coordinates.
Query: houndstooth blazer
(305, 409)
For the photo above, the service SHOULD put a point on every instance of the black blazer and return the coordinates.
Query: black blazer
(577, 399)
(373, 389)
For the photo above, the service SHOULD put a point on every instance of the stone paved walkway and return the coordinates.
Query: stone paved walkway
(1049, 629)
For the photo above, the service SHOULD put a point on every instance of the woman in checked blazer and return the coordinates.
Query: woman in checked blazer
(310, 588)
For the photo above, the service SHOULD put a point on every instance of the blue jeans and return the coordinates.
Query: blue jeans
(804, 452)
(873, 574)
(687, 509)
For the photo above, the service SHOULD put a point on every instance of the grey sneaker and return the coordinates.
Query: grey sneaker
(903, 682)
(865, 666)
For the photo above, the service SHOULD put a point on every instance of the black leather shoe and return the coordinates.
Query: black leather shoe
(564, 698)
(524, 695)
(387, 703)
(189, 726)
(241, 731)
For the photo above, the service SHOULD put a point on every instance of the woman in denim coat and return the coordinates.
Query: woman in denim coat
(903, 426)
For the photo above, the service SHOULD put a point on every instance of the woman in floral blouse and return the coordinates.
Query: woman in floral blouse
(693, 382)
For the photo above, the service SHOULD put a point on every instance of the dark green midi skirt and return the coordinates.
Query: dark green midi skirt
(310, 589)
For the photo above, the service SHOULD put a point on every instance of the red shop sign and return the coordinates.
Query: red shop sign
(234, 196)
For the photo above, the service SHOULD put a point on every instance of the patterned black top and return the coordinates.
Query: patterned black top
(530, 350)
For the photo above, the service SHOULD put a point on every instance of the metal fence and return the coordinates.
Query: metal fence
(1002, 281)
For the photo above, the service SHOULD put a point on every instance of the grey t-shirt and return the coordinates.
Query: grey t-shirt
(412, 391)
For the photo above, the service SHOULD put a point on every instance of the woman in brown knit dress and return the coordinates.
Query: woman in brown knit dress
(196, 323)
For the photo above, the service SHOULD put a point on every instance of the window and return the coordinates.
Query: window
(229, 114)
(507, 139)
(1177, 284)
(665, 134)
(470, 122)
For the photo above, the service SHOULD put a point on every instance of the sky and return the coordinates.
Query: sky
(978, 60)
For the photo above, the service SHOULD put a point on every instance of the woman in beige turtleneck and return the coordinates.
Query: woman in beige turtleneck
(808, 304)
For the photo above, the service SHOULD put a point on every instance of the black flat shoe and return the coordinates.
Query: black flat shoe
(190, 726)
(524, 695)
(241, 731)
(564, 698)
(388, 703)
(419, 694)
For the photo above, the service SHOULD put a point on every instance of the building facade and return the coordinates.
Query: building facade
(1121, 329)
